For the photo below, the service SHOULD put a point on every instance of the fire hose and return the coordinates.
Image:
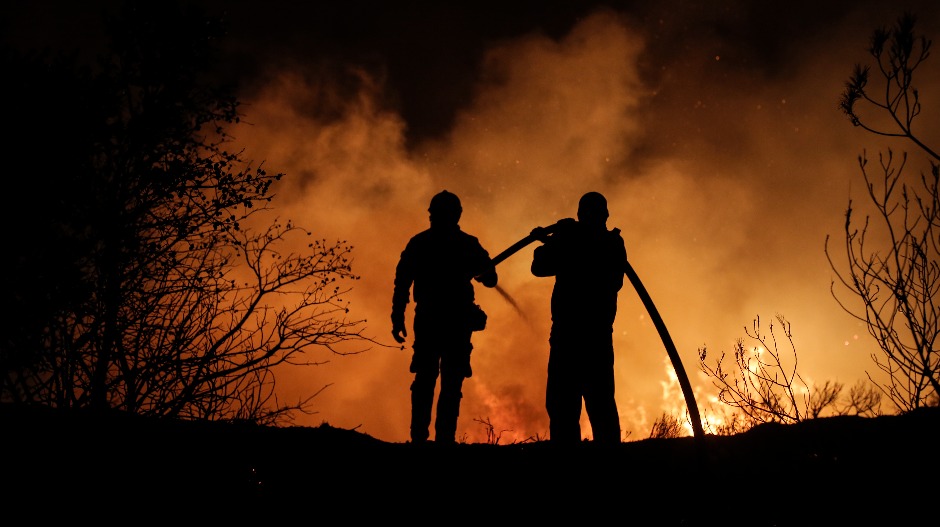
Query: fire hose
(684, 383)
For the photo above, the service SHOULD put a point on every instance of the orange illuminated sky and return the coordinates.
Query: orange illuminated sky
(711, 127)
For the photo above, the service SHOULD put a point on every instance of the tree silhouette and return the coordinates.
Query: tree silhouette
(140, 282)
(898, 284)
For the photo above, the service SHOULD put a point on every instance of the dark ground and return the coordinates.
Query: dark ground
(127, 470)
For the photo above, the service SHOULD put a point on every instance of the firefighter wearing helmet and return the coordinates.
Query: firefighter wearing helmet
(588, 262)
(437, 268)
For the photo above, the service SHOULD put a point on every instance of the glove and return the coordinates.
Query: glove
(398, 328)
(540, 233)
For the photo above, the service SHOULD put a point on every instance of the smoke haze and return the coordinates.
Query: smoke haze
(725, 176)
(713, 131)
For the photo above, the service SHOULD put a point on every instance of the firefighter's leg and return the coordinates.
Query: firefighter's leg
(448, 409)
(601, 409)
(599, 400)
(455, 367)
(563, 402)
(425, 368)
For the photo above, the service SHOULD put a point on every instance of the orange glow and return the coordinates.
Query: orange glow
(724, 195)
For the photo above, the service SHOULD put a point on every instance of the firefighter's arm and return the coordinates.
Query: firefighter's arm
(400, 299)
(487, 276)
(484, 268)
(544, 260)
(399, 332)
(547, 257)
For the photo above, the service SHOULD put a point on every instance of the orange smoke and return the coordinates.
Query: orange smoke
(729, 225)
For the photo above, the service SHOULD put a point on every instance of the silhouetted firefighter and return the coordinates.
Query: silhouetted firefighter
(439, 263)
(588, 262)
(587, 294)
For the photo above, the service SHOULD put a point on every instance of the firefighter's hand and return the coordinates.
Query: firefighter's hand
(398, 325)
(399, 333)
(540, 233)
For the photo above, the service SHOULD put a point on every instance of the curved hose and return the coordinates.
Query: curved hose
(671, 350)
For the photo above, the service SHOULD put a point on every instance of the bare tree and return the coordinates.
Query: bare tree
(158, 298)
(897, 283)
(764, 384)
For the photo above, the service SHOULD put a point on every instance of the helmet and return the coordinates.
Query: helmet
(593, 206)
(445, 204)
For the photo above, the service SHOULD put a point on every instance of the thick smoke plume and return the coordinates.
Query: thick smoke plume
(723, 174)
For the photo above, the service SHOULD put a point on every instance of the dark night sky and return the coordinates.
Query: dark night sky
(430, 52)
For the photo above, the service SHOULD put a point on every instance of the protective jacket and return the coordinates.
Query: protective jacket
(440, 263)
(588, 266)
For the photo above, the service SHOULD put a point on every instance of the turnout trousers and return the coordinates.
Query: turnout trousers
(441, 350)
(581, 369)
